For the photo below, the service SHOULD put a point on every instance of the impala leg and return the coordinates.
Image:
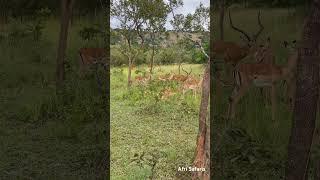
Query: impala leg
(234, 99)
(81, 66)
(264, 96)
(291, 90)
(80, 69)
(230, 109)
(183, 92)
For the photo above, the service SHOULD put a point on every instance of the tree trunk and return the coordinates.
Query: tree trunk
(305, 108)
(221, 25)
(129, 72)
(317, 170)
(202, 158)
(103, 168)
(316, 142)
(152, 60)
(221, 20)
(66, 7)
(71, 18)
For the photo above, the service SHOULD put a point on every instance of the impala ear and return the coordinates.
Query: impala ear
(285, 43)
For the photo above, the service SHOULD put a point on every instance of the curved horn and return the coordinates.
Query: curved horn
(237, 29)
(188, 73)
(261, 27)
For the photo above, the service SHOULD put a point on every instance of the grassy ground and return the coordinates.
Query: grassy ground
(251, 146)
(43, 135)
(149, 136)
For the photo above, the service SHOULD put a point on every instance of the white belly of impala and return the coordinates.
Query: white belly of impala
(261, 82)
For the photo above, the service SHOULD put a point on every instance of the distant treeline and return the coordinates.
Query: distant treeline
(27, 8)
(24, 8)
(264, 3)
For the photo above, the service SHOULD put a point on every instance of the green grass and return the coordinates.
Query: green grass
(164, 131)
(43, 135)
(251, 146)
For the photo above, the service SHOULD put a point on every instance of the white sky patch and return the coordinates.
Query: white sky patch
(189, 6)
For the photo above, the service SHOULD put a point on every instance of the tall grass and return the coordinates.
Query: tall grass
(44, 135)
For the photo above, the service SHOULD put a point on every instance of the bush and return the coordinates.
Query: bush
(168, 55)
(117, 58)
(89, 33)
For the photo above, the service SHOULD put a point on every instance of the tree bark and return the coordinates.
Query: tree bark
(316, 142)
(129, 72)
(202, 158)
(317, 170)
(305, 108)
(66, 9)
(221, 20)
(71, 17)
(152, 60)
(221, 25)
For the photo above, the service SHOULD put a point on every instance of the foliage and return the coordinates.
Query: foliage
(36, 26)
(169, 55)
(263, 3)
(253, 157)
(200, 18)
(34, 118)
(19, 8)
(89, 33)
(199, 21)
(36, 29)
(157, 17)
(116, 57)
(132, 15)
(114, 37)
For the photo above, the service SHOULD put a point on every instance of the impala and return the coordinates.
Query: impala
(165, 77)
(180, 77)
(166, 93)
(265, 55)
(142, 80)
(89, 56)
(260, 75)
(232, 52)
(192, 84)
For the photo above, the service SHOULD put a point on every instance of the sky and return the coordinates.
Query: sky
(189, 6)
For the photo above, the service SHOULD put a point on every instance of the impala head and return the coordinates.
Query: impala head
(263, 51)
(250, 40)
